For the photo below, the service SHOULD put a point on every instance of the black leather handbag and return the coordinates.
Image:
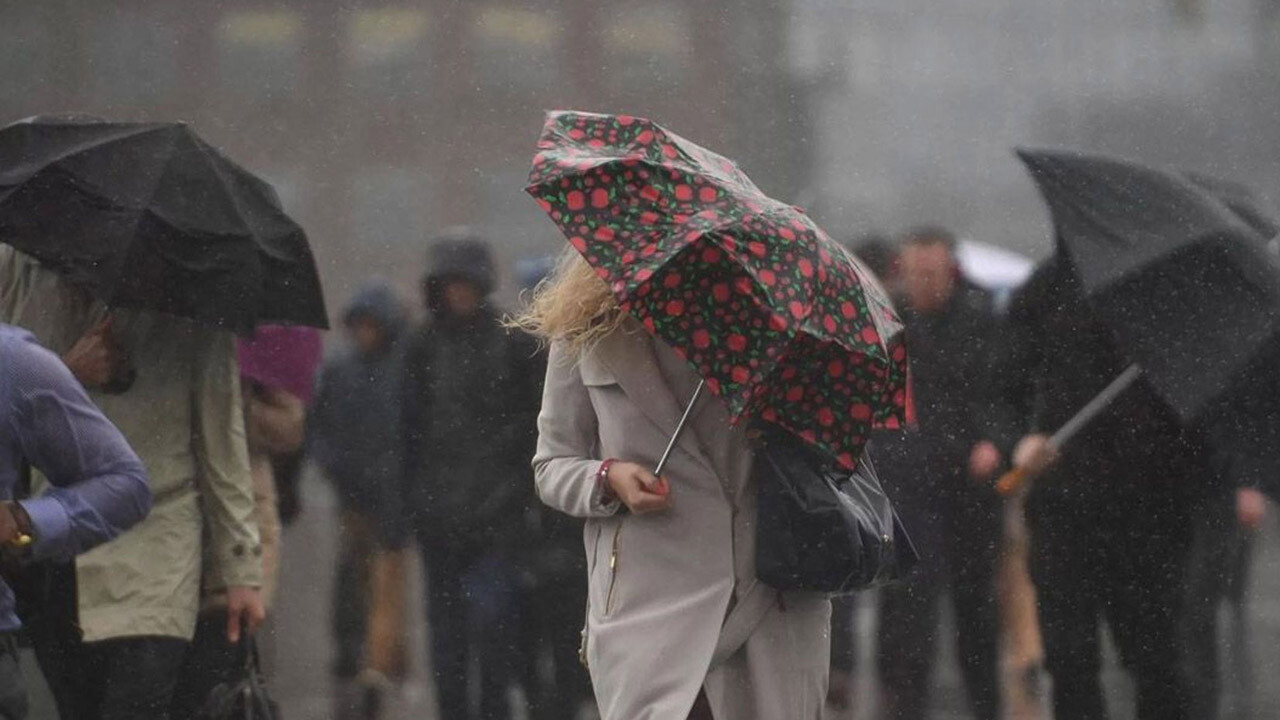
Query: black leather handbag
(244, 697)
(820, 527)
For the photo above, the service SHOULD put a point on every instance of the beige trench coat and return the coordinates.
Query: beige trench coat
(185, 419)
(659, 620)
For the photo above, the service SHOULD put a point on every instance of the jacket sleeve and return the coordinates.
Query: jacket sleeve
(1014, 362)
(226, 484)
(983, 402)
(99, 485)
(566, 465)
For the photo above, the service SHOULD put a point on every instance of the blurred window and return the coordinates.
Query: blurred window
(649, 45)
(515, 48)
(260, 53)
(134, 59)
(386, 51)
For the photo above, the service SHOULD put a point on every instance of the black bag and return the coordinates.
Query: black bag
(820, 527)
(244, 698)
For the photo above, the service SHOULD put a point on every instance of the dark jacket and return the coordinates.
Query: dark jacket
(469, 421)
(950, 353)
(1055, 357)
(352, 431)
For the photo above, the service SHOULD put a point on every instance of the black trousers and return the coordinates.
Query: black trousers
(473, 616)
(1122, 559)
(1217, 571)
(13, 689)
(210, 661)
(958, 539)
(125, 679)
(552, 622)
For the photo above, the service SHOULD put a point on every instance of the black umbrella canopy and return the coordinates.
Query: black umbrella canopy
(149, 215)
(1185, 284)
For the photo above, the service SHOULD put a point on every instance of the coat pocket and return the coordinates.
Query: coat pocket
(615, 566)
(606, 564)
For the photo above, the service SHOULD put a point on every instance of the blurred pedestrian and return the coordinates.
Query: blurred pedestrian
(939, 473)
(354, 437)
(274, 420)
(880, 254)
(468, 420)
(98, 485)
(555, 583)
(1224, 523)
(115, 628)
(677, 623)
(1110, 514)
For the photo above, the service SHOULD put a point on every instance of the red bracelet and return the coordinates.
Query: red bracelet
(602, 477)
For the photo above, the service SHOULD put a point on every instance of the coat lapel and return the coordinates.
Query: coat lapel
(628, 354)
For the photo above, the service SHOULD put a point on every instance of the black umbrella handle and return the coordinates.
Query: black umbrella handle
(684, 420)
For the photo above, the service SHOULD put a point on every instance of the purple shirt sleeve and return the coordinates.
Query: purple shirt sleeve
(99, 485)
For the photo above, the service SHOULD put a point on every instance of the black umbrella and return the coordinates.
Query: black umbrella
(1186, 285)
(148, 215)
(1246, 422)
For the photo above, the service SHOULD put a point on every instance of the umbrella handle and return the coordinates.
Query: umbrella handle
(1012, 481)
(675, 437)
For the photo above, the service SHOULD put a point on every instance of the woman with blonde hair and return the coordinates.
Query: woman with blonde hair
(677, 623)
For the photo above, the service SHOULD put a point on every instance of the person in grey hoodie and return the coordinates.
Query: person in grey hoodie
(353, 435)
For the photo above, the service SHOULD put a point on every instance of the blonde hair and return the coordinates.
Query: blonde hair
(573, 305)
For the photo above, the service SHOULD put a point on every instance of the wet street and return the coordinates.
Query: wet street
(300, 652)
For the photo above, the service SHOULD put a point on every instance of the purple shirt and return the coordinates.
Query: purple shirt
(98, 485)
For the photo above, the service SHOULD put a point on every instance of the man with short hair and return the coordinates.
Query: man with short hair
(99, 488)
(939, 473)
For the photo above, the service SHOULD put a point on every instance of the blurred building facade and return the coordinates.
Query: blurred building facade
(918, 110)
(382, 121)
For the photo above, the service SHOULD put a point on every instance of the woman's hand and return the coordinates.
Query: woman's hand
(638, 488)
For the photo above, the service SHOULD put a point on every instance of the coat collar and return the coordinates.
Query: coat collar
(628, 354)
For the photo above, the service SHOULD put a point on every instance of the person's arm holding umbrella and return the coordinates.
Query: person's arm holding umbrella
(569, 476)
(226, 482)
(1013, 385)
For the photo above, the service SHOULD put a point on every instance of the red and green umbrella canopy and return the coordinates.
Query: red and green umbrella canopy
(782, 322)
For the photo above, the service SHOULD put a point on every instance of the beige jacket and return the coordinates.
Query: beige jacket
(184, 418)
(673, 602)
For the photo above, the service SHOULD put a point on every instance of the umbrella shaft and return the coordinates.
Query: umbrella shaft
(684, 420)
(1096, 406)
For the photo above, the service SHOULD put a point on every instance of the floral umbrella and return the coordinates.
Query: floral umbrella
(780, 321)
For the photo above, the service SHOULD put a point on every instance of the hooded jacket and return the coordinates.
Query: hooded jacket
(352, 430)
(471, 399)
